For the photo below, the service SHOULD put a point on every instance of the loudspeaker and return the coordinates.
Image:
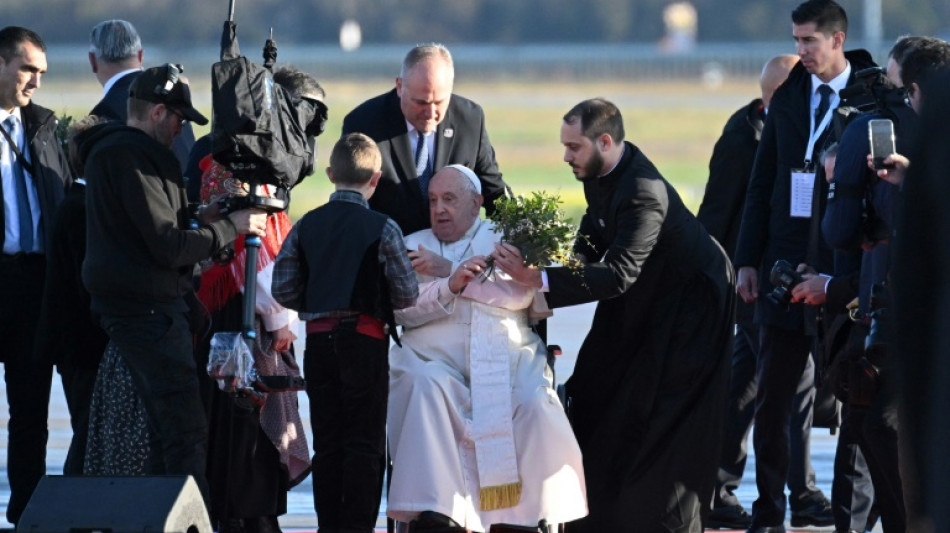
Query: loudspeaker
(63, 504)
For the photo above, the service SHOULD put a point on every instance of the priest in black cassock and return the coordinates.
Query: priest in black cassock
(646, 399)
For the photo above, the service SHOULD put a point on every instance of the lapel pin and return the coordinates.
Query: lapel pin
(448, 133)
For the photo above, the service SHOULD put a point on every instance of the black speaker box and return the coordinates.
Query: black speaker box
(63, 504)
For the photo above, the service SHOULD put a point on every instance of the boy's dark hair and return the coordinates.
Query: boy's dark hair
(828, 16)
(354, 160)
(928, 56)
(12, 37)
(597, 116)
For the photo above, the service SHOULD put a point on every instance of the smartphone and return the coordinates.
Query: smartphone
(881, 133)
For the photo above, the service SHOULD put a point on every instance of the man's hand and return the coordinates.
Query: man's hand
(429, 263)
(897, 168)
(283, 338)
(747, 284)
(508, 258)
(811, 290)
(249, 221)
(209, 212)
(466, 272)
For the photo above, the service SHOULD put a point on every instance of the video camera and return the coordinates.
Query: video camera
(784, 277)
(872, 91)
(260, 132)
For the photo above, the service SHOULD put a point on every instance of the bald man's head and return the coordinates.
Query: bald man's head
(774, 74)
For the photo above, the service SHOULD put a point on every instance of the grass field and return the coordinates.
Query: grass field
(675, 124)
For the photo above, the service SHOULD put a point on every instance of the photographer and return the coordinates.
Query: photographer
(860, 213)
(139, 259)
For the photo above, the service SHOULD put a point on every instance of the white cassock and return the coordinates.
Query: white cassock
(460, 445)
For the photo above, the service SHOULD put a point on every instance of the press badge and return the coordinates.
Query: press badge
(803, 188)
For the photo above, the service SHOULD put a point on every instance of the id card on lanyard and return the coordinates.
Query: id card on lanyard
(803, 179)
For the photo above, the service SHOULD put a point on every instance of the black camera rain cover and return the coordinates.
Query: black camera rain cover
(255, 130)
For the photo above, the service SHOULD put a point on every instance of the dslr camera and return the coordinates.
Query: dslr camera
(784, 278)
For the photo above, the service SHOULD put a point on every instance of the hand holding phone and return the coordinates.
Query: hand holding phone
(881, 134)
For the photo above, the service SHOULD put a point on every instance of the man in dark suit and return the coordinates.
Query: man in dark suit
(422, 106)
(650, 379)
(721, 213)
(35, 174)
(116, 59)
(781, 221)
(68, 336)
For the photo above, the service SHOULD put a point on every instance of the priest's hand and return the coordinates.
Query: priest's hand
(466, 272)
(508, 258)
(426, 262)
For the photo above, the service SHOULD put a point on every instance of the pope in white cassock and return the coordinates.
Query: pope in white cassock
(477, 434)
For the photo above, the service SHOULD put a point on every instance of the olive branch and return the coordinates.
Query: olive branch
(537, 227)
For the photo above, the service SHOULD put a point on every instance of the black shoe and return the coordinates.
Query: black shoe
(433, 522)
(815, 510)
(767, 529)
(728, 517)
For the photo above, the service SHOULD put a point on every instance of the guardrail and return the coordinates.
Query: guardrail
(525, 62)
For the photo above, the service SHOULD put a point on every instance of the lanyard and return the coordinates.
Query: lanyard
(816, 132)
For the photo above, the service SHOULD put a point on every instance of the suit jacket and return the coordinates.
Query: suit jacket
(461, 138)
(768, 232)
(50, 170)
(113, 106)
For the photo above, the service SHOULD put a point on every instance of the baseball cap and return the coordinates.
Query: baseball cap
(164, 85)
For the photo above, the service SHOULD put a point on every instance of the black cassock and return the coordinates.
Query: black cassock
(646, 398)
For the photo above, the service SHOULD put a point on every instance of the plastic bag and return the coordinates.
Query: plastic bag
(231, 362)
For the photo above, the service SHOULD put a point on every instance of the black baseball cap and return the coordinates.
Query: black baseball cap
(164, 85)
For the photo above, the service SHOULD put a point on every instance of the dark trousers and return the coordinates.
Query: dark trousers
(348, 384)
(852, 493)
(157, 347)
(877, 428)
(783, 357)
(28, 381)
(740, 408)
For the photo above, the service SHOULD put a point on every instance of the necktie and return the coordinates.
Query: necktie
(423, 166)
(825, 93)
(22, 200)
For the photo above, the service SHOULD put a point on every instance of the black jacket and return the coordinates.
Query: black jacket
(140, 250)
(461, 138)
(729, 169)
(50, 170)
(768, 232)
(68, 335)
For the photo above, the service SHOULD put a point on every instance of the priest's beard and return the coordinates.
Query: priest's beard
(591, 169)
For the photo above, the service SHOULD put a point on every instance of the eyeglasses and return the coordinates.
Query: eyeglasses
(178, 114)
